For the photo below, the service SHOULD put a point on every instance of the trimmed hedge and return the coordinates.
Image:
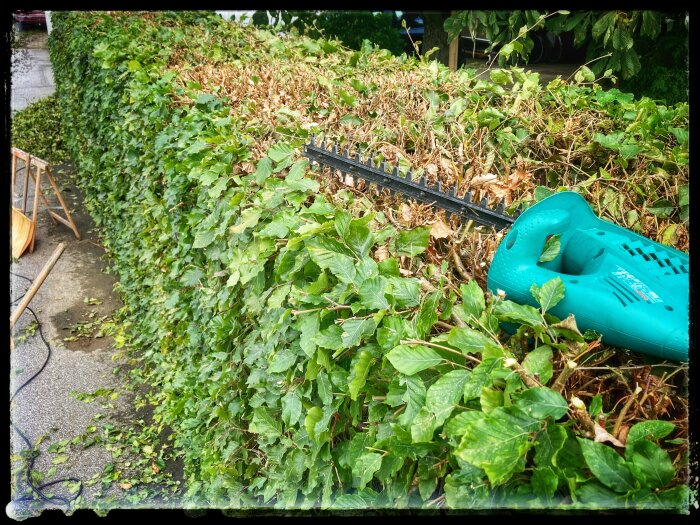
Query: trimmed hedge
(290, 334)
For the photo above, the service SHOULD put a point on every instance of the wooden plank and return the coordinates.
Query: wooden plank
(36, 284)
(57, 217)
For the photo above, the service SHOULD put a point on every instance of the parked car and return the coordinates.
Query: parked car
(30, 17)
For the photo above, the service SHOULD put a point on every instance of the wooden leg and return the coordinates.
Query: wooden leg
(26, 185)
(43, 198)
(37, 189)
(14, 177)
(65, 208)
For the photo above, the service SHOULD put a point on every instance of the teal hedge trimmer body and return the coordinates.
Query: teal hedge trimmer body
(631, 290)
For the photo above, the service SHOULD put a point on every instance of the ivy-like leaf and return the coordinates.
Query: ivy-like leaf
(549, 294)
(470, 341)
(519, 313)
(412, 242)
(498, 442)
(445, 393)
(358, 376)
(551, 248)
(607, 465)
(541, 402)
(653, 463)
(372, 293)
(355, 329)
(411, 359)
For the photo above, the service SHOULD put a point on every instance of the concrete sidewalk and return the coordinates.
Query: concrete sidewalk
(46, 408)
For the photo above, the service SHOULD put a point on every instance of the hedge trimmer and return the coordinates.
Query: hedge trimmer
(631, 290)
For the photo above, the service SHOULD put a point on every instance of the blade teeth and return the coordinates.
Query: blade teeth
(358, 158)
(451, 193)
(484, 201)
(422, 181)
(518, 210)
(346, 153)
(382, 166)
(395, 172)
(501, 206)
(439, 186)
(313, 140)
(323, 143)
(468, 196)
(409, 174)
(335, 149)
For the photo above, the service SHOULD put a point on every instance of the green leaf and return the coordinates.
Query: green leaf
(524, 314)
(412, 242)
(364, 499)
(203, 238)
(355, 329)
(544, 482)
(541, 402)
(423, 426)
(282, 360)
(538, 363)
(549, 294)
(366, 466)
(406, 290)
(470, 341)
(308, 325)
(58, 460)
(549, 441)
(654, 464)
(351, 120)
(596, 406)
(428, 314)
(445, 393)
(291, 408)
(551, 248)
(497, 442)
(347, 98)
(263, 170)
(280, 152)
(358, 238)
(342, 266)
(584, 74)
(499, 76)
(490, 399)
(607, 465)
(313, 416)
(264, 423)
(473, 301)
(342, 222)
(372, 293)
(654, 429)
(249, 218)
(414, 397)
(358, 375)
(412, 359)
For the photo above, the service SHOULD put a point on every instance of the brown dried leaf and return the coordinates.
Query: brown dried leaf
(483, 179)
(440, 230)
(381, 253)
(602, 435)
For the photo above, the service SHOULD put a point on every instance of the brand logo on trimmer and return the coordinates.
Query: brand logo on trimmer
(640, 288)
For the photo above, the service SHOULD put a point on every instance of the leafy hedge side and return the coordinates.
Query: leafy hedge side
(305, 349)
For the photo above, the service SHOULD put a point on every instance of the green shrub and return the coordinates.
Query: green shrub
(295, 339)
(37, 129)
